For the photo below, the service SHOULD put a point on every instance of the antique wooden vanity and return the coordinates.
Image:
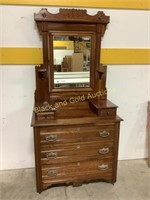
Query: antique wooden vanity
(76, 128)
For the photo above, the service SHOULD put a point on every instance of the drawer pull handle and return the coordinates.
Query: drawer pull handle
(104, 150)
(104, 134)
(103, 167)
(52, 172)
(51, 155)
(51, 138)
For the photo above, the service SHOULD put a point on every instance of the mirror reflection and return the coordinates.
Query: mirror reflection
(71, 61)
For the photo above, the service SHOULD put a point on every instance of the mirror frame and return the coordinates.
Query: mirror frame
(92, 53)
(70, 21)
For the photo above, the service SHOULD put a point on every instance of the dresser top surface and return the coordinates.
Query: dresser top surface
(74, 113)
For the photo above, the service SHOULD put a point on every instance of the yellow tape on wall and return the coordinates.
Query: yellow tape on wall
(123, 4)
(29, 56)
(21, 56)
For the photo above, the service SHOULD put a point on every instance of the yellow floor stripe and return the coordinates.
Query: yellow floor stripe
(29, 56)
(123, 4)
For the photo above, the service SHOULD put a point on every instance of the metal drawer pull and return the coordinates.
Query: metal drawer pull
(51, 138)
(104, 133)
(103, 167)
(52, 172)
(104, 150)
(51, 154)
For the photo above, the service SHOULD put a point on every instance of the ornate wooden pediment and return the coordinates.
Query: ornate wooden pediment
(71, 15)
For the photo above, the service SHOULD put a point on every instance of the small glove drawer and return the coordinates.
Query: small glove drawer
(107, 112)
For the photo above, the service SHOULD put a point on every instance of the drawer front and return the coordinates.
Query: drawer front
(107, 112)
(76, 134)
(91, 167)
(77, 179)
(51, 154)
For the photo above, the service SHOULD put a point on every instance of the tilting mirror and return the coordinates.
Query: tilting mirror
(71, 60)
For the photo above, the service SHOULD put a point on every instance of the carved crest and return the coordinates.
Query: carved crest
(72, 15)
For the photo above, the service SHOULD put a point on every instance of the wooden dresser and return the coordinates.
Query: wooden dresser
(76, 128)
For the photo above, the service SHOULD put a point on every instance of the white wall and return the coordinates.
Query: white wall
(127, 29)
(132, 91)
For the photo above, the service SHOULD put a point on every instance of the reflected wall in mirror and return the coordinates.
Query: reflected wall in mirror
(71, 57)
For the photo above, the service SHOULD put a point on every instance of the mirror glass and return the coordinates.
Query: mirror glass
(71, 57)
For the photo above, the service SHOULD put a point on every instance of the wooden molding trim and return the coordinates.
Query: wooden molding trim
(114, 56)
(115, 4)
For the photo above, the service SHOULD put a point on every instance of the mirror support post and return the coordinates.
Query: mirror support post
(97, 60)
(42, 75)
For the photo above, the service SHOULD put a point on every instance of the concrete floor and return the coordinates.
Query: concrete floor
(133, 184)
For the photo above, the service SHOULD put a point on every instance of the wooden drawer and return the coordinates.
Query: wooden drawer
(77, 180)
(107, 112)
(76, 134)
(51, 154)
(92, 167)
